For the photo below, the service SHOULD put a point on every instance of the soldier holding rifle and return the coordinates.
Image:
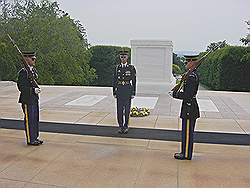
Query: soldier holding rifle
(189, 110)
(29, 98)
(29, 95)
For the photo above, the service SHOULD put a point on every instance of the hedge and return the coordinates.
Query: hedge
(227, 69)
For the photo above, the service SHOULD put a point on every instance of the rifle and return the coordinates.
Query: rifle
(30, 75)
(197, 63)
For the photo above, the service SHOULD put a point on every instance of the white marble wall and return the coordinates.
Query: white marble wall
(153, 61)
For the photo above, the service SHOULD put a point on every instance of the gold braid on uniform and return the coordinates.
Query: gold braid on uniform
(139, 112)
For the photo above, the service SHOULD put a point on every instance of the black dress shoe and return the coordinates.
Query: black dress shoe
(179, 156)
(40, 141)
(125, 131)
(120, 131)
(35, 143)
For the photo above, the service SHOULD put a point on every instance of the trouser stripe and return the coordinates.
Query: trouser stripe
(27, 122)
(187, 138)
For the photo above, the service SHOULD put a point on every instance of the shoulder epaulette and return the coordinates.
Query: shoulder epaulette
(131, 66)
(193, 75)
(22, 70)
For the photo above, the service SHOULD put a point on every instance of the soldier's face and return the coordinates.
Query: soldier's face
(189, 64)
(124, 58)
(30, 60)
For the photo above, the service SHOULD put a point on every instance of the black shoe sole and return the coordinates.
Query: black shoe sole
(120, 132)
(33, 144)
(180, 158)
(40, 142)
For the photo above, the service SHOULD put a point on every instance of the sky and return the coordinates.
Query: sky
(190, 24)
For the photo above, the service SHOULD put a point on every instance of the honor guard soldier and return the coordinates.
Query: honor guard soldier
(124, 89)
(29, 99)
(189, 110)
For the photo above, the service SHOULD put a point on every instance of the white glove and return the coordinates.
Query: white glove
(132, 96)
(171, 93)
(37, 90)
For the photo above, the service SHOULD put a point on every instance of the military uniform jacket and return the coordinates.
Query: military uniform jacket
(26, 88)
(189, 108)
(124, 81)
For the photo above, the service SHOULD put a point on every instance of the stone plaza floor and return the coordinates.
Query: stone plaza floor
(67, 160)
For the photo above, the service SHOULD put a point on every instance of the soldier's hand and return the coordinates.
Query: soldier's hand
(30, 77)
(37, 90)
(171, 93)
(132, 96)
(114, 96)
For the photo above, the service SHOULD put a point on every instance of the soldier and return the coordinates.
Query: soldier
(29, 100)
(124, 88)
(189, 110)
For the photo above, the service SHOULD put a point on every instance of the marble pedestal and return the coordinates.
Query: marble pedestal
(153, 61)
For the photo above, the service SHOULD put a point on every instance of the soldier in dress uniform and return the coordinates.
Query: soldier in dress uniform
(189, 110)
(124, 89)
(29, 100)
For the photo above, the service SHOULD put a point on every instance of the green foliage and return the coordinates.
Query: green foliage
(60, 42)
(176, 69)
(214, 45)
(245, 41)
(103, 60)
(179, 61)
(227, 69)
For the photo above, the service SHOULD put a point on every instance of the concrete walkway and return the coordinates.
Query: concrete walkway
(86, 161)
(97, 161)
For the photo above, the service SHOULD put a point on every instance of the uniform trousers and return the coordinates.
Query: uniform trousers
(31, 121)
(123, 111)
(188, 126)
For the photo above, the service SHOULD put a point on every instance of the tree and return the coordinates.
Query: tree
(104, 59)
(245, 41)
(179, 61)
(60, 42)
(176, 69)
(214, 45)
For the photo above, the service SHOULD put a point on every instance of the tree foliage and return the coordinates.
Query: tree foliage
(245, 41)
(178, 66)
(214, 45)
(60, 42)
(103, 60)
(227, 69)
(176, 69)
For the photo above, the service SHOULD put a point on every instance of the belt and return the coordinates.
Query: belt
(123, 82)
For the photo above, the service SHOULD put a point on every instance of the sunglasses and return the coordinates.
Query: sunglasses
(123, 56)
(33, 59)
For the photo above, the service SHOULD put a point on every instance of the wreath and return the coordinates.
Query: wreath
(139, 112)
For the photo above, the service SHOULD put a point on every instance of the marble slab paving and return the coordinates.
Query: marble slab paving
(148, 102)
(207, 105)
(87, 100)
